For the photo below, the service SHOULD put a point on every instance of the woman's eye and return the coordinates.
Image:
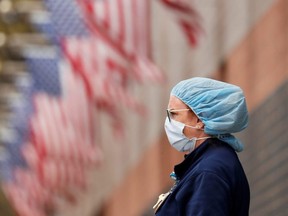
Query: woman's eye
(172, 113)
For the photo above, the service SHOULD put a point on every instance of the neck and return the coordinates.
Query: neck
(199, 142)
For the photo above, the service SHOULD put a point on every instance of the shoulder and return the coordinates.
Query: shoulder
(219, 159)
(219, 153)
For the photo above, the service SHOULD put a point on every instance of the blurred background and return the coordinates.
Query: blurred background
(84, 86)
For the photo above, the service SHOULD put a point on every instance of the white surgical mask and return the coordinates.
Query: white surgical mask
(177, 139)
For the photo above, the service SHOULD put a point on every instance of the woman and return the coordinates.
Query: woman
(202, 113)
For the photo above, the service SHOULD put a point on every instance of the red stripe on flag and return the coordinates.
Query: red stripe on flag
(133, 10)
(181, 6)
(187, 17)
(107, 20)
(122, 35)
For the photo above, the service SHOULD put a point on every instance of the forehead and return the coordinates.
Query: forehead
(176, 103)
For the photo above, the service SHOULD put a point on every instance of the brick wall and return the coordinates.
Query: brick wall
(265, 158)
(260, 66)
(259, 63)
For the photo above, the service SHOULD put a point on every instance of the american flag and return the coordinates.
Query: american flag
(60, 129)
(125, 23)
(20, 190)
(54, 149)
(187, 17)
(16, 128)
(125, 26)
(27, 195)
(105, 63)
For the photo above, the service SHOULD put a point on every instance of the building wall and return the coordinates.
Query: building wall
(260, 66)
(265, 160)
(258, 63)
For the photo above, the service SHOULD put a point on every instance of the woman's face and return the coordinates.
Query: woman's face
(186, 117)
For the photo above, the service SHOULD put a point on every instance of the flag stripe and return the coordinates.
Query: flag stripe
(121, 13)
(187, 17)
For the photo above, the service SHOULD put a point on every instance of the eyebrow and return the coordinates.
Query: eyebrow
(179, 109)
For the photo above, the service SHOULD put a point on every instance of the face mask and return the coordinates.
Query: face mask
(177, 139)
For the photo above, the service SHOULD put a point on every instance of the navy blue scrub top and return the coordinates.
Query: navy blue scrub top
(211, 182)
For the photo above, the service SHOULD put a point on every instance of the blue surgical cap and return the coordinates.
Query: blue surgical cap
(220, 106)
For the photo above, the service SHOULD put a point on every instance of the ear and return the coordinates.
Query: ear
(200, 124)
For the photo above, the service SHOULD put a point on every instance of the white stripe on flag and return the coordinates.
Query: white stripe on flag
(129, 44)
(143, 31)
(113, 8)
